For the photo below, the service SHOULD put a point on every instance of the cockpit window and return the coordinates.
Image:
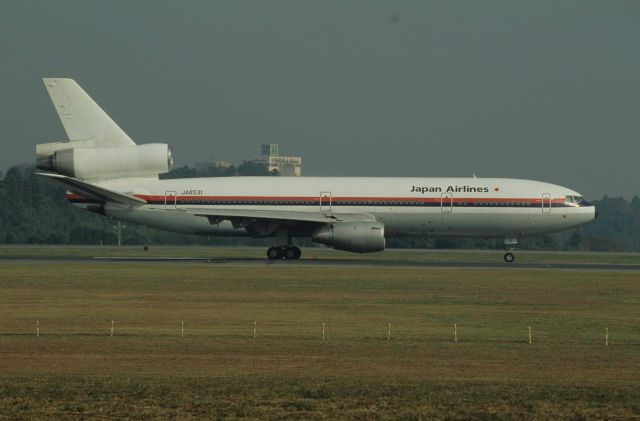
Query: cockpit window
(576, 201)
(582, 201)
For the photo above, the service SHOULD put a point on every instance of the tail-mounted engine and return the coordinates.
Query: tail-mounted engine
(94, 163)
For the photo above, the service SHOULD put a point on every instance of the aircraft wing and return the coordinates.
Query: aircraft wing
(90, 190)
(244, 217)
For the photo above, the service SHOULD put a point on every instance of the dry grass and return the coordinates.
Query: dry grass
(218, 370)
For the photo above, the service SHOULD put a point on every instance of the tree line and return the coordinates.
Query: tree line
(33, 210)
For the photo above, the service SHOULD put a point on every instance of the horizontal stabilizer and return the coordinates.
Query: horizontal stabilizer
(82, 118)
(89, 190)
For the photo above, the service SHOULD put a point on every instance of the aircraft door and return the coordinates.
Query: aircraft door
(325, 201)
(170, 200)
(546, 203)
(446, 203)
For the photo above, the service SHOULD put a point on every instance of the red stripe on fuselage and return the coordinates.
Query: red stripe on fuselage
(151, 198)
(350, 199)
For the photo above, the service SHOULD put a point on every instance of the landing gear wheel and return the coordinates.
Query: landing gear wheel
(275, 253)
(509, 257)
(292, 253)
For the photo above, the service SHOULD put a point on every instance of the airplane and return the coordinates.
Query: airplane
(106, 172)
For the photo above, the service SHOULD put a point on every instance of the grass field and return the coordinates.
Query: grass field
(218, 370)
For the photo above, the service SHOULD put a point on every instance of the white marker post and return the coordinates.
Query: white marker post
(254, 329)
(112, 328)
(323, 331)
(529, 335)
(38, 328)
(606, 336)
(455, 332)
(389, 333)
(182, 329)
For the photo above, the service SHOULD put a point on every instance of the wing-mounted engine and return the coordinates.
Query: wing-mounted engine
(357, 236)
(99, 163)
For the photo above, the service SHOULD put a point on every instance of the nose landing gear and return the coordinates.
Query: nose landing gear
(287, 252)
(510, 244)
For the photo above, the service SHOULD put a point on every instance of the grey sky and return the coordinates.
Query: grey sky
(547, 90)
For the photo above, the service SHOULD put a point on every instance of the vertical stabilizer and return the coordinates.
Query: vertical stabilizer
(82, 118)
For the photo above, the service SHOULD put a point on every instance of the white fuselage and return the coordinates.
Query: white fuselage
(108, 173)
(485, 207)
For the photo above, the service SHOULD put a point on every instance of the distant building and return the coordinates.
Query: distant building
(270, 150)
(287, 166)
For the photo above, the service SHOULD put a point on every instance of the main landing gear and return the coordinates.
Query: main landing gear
(286, 252)
(509, 257)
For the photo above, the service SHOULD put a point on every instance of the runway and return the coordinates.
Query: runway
(327, 262)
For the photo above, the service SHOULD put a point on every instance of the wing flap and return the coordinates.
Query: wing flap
(90, 190)
(217, 215)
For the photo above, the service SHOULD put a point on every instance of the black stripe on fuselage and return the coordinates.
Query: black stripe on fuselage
(87, 201)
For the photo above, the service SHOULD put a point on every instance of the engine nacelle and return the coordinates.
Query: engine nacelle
(358, 236)
(91, 163)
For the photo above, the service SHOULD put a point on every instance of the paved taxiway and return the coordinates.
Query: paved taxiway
(315, 262)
